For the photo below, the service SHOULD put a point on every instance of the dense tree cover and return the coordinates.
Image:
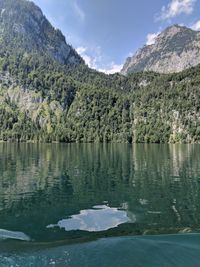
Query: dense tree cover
(77, 104)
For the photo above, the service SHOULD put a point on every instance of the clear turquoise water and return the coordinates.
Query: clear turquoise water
(79, 205)
(151, 251)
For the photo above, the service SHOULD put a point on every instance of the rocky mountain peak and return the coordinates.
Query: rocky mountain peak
(175, 49)
(23, 26)
(170, 32)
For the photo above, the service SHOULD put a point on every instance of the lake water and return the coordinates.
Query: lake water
(88, 204)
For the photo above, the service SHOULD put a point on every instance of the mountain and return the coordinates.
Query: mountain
(25, 28)
(175, 49)
(48, 94)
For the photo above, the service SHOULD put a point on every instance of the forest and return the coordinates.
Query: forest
(43, 101)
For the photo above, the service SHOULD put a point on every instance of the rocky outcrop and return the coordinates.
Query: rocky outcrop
(23, 26)
(175, 49)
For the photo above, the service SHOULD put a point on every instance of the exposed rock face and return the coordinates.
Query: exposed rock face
(23, 26)
(175, 49)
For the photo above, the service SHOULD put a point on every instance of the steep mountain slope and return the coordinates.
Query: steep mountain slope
(175, 49)
(48, 94)
(25, 29)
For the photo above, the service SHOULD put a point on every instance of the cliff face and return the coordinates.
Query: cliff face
(23, 27)
(175, 49)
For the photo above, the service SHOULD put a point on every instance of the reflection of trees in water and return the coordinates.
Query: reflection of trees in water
(27, 168)
(167, 176)
(48, 182)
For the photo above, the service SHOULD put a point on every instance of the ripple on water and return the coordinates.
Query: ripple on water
(152, 251)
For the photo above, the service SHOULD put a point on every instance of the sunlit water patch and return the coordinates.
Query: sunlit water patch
(100, 218)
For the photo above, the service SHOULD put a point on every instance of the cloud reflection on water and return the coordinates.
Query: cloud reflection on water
(100, 218)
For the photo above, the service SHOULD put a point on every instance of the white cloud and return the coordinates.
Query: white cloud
(82, 51)
(175, 8)
(113, 68)
(88, 60)
(196, 26)
(95, 61)
(78, 11)
(151, 38)
(91, 60)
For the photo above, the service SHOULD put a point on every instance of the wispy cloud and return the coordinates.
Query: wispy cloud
(196, 26)
(94, 61)
(78, 11)
(175, 8)
(151, 38)
(92, 56)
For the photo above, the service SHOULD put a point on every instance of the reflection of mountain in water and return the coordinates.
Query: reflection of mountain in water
(42, 184)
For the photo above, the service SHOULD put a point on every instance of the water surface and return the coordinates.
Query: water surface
(53, 195)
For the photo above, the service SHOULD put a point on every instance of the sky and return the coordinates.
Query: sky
(106, 32)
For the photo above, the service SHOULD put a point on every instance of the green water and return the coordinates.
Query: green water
(72, 205)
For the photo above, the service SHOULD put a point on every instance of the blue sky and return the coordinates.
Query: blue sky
(106, 32)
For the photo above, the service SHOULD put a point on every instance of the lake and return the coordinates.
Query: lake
(111, 204)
